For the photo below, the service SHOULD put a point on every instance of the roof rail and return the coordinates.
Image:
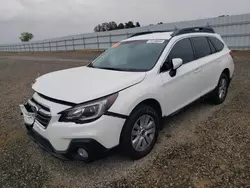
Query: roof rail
(148, 32)
(192, 30)
(178, 31)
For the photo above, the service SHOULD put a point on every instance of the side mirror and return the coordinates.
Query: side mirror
(177, 62)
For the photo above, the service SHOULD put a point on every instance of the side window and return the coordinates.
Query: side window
(217, 43)
(201, 47)
(182, 49)
(212, 48)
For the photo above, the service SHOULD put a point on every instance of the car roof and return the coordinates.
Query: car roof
(151, 36)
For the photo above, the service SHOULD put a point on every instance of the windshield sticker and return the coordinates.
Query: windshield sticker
(155, 41)
(116, 45)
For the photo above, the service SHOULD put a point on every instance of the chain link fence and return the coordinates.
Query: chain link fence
(235, 30)
(75, 43)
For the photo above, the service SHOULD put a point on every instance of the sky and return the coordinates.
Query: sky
(56, 18)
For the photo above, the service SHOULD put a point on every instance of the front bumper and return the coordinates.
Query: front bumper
(62, 139)
(95, 150)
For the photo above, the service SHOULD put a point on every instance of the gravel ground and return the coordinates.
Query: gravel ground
(202, 146)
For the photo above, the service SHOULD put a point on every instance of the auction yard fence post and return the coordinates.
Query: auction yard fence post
(83, 40)
(110, 40)
(65, 42)
(97, 41)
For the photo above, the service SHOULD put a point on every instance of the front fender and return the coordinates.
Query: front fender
(128, 99)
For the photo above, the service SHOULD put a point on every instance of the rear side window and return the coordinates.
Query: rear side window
(182, 49)
(217, 43)
(213, 50)
(201, 47)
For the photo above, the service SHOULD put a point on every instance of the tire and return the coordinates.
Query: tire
(218, 96)
(139, 133)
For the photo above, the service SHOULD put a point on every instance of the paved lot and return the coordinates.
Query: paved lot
(202, 146)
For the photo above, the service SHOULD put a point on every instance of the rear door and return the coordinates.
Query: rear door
(220, 57)
(203, 52)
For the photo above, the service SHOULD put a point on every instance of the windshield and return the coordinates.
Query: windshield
(138, 56)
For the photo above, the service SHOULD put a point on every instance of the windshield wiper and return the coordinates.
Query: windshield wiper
(121, 69)
(110, 68)
(91, 65)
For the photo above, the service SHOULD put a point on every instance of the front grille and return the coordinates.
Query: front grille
(44, 107)
(42, 113)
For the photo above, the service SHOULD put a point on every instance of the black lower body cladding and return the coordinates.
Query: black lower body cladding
(94, 149)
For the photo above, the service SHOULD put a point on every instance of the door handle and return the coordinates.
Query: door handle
(197, 70)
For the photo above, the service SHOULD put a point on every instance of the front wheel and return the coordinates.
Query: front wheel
(140, 132)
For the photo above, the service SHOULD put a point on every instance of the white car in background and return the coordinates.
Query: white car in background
(121, 97)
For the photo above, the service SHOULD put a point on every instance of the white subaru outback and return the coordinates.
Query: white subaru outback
(121, 97)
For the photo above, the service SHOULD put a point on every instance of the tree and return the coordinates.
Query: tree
(98, 28)
(121, 26)
(26, 36)
(109, 26)
(112, 26)
(138, 24)
(105, 26)
(130, 24)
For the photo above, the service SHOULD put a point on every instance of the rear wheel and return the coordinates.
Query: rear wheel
(220, 93)
(140, 132)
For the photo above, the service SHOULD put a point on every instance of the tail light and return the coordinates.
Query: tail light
(231, 53)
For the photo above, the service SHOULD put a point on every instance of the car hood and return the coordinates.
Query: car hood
(82, 84)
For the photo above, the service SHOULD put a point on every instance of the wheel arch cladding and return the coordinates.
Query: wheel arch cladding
(153, 103)
(227, 72)
(150, 102)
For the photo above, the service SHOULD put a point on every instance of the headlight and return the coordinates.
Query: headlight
(88, 112)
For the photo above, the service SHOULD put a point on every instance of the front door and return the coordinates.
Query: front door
(183, 88)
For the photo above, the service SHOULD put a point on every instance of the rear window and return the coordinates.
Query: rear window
(217, 43)
(201, 47)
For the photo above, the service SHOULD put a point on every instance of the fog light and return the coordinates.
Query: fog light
(82, 153)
